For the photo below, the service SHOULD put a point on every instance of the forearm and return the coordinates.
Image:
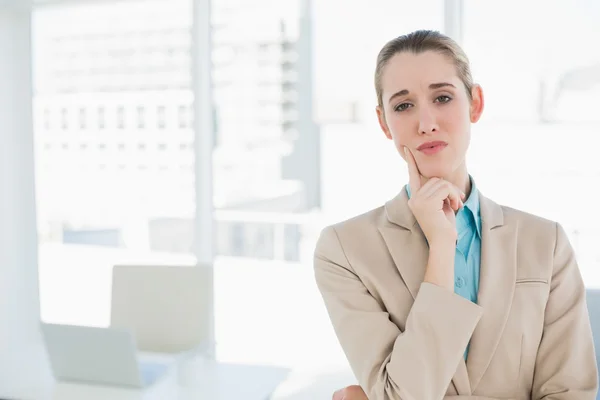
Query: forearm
(440, 265)
(424, 357)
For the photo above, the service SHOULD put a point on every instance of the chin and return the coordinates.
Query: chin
(436, 171)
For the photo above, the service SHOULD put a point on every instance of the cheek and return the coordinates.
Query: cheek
(401, 129)
(454, 121)
(450, 117)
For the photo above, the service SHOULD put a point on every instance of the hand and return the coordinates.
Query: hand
(433, 204)
(353, 392)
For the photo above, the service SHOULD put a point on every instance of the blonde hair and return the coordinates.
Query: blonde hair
(418, 42)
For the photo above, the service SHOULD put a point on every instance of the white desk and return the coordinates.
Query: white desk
(195, 379)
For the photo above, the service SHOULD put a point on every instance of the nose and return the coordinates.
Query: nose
(427, 122)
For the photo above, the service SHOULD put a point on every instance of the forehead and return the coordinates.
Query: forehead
(416, 72)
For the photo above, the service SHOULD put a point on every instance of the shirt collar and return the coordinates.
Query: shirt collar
(472, 204)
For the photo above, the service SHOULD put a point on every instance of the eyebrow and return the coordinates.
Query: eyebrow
(433, 86)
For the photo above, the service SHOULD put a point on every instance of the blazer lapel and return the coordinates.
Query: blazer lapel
(496, 287)
(409, 250)
(405, 242)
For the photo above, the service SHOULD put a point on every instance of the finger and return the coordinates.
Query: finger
(447, 205)
(449, 212)
(445, 190)
(461, 198)
(414, 175)
(457, 204)
(456, 201)
(433, 184)
(430, 187)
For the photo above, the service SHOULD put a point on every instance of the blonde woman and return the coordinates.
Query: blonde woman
(442, 293)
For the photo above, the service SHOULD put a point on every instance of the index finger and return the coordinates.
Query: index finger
(414, 175)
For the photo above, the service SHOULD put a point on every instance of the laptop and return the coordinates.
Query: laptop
(104, 356)
(167, 308)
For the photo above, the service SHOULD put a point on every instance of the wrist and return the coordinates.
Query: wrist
(440, 265)
(443, 245)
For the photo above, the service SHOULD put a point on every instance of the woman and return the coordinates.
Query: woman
(442, 292)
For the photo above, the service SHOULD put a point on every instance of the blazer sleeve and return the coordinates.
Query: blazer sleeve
(415, 364)
(565, 366)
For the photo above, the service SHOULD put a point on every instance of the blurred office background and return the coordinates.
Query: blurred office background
(288, 133)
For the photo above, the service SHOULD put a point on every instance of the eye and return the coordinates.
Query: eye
(402, 107)
(442, 99)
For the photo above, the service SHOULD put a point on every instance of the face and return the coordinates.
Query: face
(426, 108)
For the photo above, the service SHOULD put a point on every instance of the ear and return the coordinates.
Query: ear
(477, 104)
(382, 122)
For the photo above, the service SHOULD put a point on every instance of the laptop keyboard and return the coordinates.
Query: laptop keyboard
(151, 371)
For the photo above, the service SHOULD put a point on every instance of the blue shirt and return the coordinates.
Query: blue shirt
(467, 256)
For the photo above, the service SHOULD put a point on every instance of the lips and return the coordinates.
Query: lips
(431, 145)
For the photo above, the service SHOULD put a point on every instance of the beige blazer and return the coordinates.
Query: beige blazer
(529, 334)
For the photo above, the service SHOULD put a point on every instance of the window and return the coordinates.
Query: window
(101, 118)
(121, 117)
(64, 115)
(555, 106)
(46, 119)
(161, 117)
(182, 112)
(82, 118)
(237, 244)
(93, 80)
(141, 117)
(292, 240)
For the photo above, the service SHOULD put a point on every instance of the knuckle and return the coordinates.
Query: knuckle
(354, 391)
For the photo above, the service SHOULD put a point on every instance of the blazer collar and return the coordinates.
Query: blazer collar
(398, 212)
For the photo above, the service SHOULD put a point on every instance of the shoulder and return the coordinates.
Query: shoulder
(528, 221)
(537, 233)
(494, 215)
(359, 229)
